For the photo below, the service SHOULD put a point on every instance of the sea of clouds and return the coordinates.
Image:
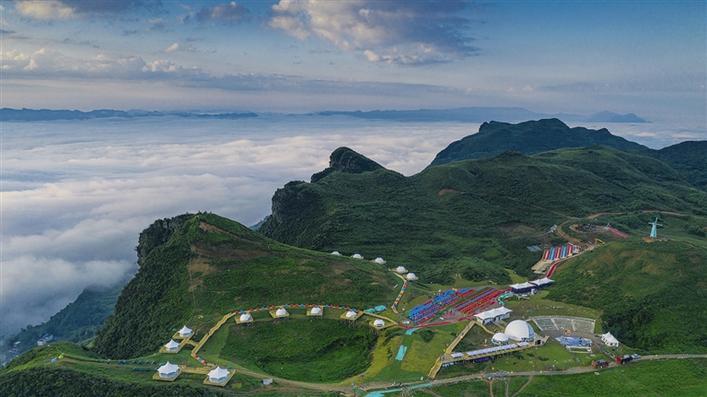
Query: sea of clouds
(76, 194)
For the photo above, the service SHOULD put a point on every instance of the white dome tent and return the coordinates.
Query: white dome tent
(315, 311)
(281, 312)
(171, 346)
(245, 318)
(336, 253)
(520, 331)
(378, 323)
(499, 338)
(401, 270)
(379, 261)
(168, 371)
(218, 375)
(411, 276)
(185, 332)
(357, 256)
(351, 315)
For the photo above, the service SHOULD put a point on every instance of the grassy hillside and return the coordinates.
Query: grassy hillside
(196, 268)
(529, 137)
(690, 159)
(651, 294)
(464, 215)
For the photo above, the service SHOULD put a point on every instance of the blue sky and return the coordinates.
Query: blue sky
(648, 58)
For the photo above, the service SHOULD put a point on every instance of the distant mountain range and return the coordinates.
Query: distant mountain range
(480, 114)
(8, 114)
(469, 114)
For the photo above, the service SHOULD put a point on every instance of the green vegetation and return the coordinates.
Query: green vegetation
(458, 217)
(529, 137)
(689, 158)
(196, 268)
(310, 350)
(651, 294)
(79, 320)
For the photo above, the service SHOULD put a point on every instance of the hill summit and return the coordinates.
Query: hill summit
(347, 160)
(529, 137)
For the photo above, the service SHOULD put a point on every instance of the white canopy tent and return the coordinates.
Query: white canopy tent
(379, 261)
(351, 314)
(336, 253)
(401, 270)
(218, 374)
(245, 318)
(378, 323)
(185, 332)
(357, 256)
(281, 312)
(171, 345)
(168, 370)
(411, 276)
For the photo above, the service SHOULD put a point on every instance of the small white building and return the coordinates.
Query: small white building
(401, 270)
(171, 346)
(218, 375)
(379, 261)
(185, 332)
(378, 323)
(168, 371)
(316, 311)
(357, 256)
(543, 282)
(609, 340)
(351, 314)
(336, 253)
(281, 312)
(499, 338)
(493, 315)
(523, 288)
(411, 276)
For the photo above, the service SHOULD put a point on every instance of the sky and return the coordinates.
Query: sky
(303, 55)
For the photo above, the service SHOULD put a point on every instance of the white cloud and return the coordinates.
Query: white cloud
(172, 48)
(400, 32)
(44, 9)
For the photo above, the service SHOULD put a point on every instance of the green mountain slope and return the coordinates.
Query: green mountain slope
(689, 158)
(459, 217)
(196, 268)
(529, 137)
(652, 295)
(78, 321)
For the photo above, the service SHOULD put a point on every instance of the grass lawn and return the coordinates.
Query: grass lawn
(316, 350)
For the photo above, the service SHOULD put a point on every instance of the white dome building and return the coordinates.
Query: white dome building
(378, 323)
(401, 270)
(168, 371)
(336, 253)
(315, 311)
(351, 314)
(245, 318)
(185, 332)
(171, 346)
(411, 276)
(379, 261)
(357, 256)
(520, 331)
(499, 338)
(218, 375)
(281, 312)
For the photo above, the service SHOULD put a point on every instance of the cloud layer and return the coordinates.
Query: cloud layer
(76, 194)
(396, 32)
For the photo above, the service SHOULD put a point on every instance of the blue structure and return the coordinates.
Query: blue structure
(654, 227)
(429, 308)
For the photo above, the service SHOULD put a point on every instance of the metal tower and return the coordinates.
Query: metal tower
(654, 227)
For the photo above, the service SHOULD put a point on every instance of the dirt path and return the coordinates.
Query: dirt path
(530, 379)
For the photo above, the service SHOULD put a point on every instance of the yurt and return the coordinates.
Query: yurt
(218, 375)
(401, 270)
(378, 323)
(185, 332)
(245, 318)
(336, 253)
(315, 311)
(379, 261)
(281, 312)
(351, 314)
(499, 338)
(411, 276)
(171, 346)
(168, 371)
(357, 256)
(519, 331)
